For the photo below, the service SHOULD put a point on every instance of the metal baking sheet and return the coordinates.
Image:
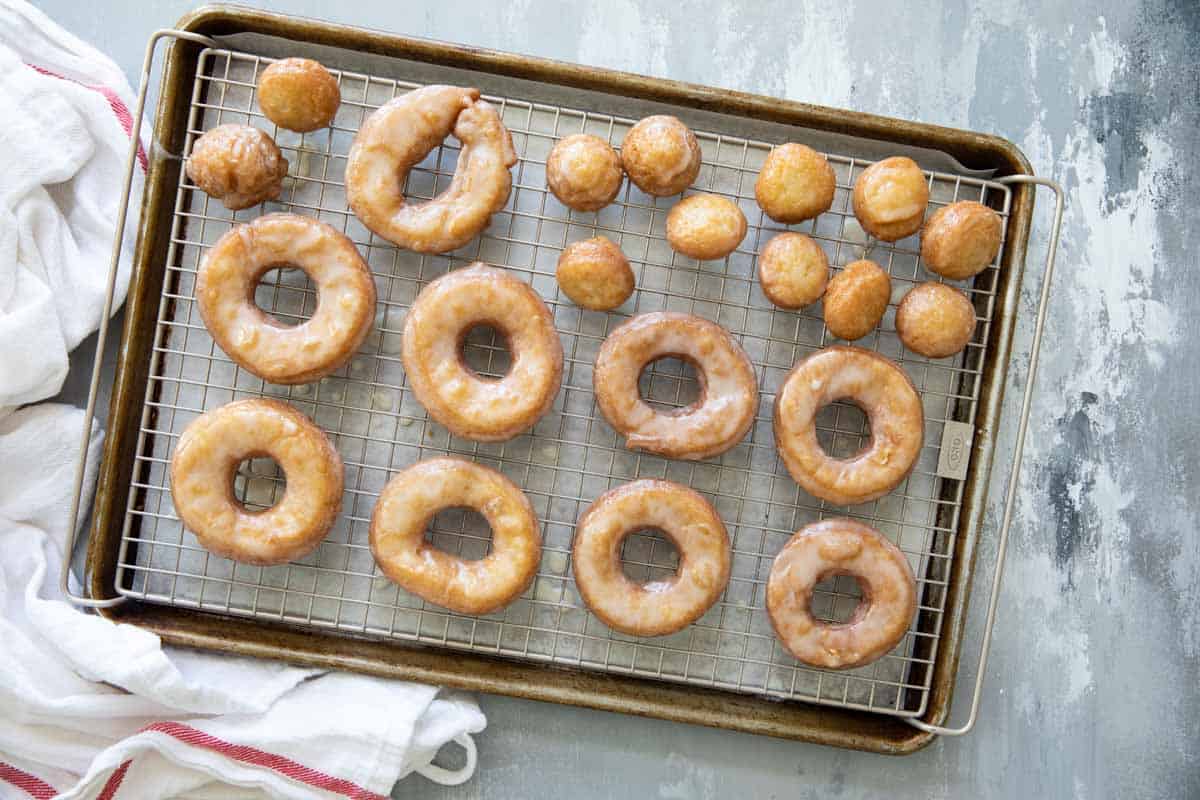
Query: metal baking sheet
(571, 456)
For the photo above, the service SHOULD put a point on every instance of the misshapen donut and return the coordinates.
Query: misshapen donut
(398, 135)
(882, 391)
(207, 456)
(470, 406)
(275, 352)
(239, 165)
(717, 420)
(407, 505)
(659, 607)
(841, 547)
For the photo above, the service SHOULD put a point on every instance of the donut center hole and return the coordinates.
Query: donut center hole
(836, 598)
(287, 295)
(843, 429)
(649, 556)
(670, 385)
(460, 531)
(259, 483)
(485, 351)
(433, 174)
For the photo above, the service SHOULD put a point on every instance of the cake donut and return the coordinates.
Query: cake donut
(793, 270)
(822, 550)
(889, 198)
(705, 226)
(882, 391)
(257, 342)
(660, 607)
(595, 274)
(661, 155)
(584, 172)
(960, 240)
(856, 299)
(398, 135)
(207, 457)
(471, 406)
(408, 504)
(795, 183)
(935, 320)
(728, 397)
(239, 165)
(298, 94)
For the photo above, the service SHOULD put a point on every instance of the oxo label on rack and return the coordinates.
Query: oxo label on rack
(571, 456)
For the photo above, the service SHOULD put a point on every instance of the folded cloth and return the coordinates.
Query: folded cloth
(90, 708)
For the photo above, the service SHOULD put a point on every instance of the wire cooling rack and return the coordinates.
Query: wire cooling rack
(571, 456)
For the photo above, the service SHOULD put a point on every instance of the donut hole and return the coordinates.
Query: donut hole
(843, 429)
(836, 598)
(648, 556)
(460, 531)
(286, 295)
(670, 385)
(485, 351)
(433, 174)
(259, 483)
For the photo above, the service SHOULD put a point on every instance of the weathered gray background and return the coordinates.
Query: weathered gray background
(1094, 687)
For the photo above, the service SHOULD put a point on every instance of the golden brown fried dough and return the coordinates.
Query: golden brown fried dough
(595, 274)
(795, 183)
(890, 198)
(935, 320)
(856, 300)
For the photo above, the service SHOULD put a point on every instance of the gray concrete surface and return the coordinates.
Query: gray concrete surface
(1094, 687)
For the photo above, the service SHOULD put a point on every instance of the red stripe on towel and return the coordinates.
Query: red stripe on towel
(260, 758)
(114, 781)
(114, 102)
(30, 784)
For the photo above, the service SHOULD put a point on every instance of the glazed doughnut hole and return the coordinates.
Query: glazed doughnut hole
(460, 531)
(287, 295)
(843, 429)
(485, 351)
(835, 599)
(648, 556)
(669, 384)
(259, 483)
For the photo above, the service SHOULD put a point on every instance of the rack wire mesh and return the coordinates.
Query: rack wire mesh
(571, 456)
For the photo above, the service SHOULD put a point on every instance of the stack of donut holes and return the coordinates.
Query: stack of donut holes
(242, 167)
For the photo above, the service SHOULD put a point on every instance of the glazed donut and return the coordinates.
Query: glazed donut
(856, 299)
(207, 457)
(584, 172)
(408, 504)
(661, 155)
(960, 240)
(257, 342)
(793, 270)
(595, 274)
(660, 607)
(298, 94)
(935, 320)
(890, 197)
(470, 406)
(831, 547)
(728, 397)
(398, 135)
(795, 183)
(882, 391)
(705, 226)
(239, 165)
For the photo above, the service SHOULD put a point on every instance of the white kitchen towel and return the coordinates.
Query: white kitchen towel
(62, 156)
(89, 708)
